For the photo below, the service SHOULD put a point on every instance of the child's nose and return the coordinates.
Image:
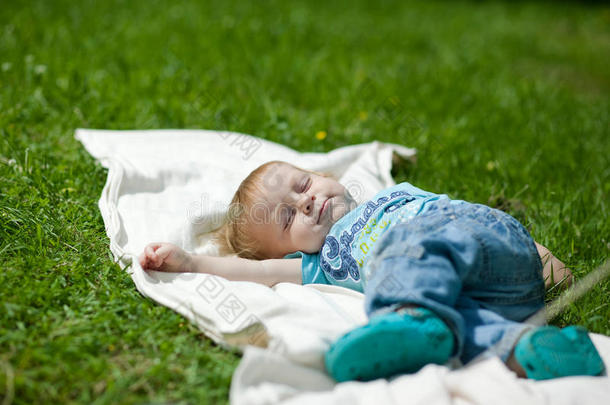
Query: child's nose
(307, 203)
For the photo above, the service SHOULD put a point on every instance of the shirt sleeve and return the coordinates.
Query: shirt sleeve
(311, 272)
(411, 189)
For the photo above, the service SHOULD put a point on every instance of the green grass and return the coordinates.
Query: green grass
(507, 102)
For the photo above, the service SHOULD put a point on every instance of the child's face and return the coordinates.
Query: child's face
(289, 217)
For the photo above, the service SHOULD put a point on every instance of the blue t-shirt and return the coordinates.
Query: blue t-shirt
(349, 243)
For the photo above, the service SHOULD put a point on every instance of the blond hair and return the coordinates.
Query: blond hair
(233, 236)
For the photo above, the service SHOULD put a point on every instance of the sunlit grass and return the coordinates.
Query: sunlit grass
(506, 102)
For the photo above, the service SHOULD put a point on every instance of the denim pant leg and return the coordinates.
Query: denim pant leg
(486, 330)
(452, 256)
(509, 287)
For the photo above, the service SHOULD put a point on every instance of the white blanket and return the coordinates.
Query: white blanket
(175, 186)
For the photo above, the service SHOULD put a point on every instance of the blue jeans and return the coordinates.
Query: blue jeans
(476, 267)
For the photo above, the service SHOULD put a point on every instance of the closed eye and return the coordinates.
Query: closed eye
(305, 186)
(289, 220)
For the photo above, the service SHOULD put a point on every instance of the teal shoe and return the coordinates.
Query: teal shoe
(390, 344)
(549, 352)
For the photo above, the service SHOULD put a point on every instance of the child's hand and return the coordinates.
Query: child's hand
(165, 257)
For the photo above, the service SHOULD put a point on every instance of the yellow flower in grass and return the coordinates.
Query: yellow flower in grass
(320, 135)
(363, 115)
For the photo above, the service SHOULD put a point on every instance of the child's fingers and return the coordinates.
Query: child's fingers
(157, 245)
(164, 251)
(153, 260)
(154, 255)
(149, 251)
(145, 261)
(154, 246)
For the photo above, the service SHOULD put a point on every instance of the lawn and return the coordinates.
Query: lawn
(507, 103)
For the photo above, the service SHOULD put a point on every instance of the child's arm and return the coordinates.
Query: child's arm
(168, 257)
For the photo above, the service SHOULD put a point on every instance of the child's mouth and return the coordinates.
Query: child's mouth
(322, 208)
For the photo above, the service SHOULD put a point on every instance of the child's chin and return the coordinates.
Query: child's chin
(338, 213)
